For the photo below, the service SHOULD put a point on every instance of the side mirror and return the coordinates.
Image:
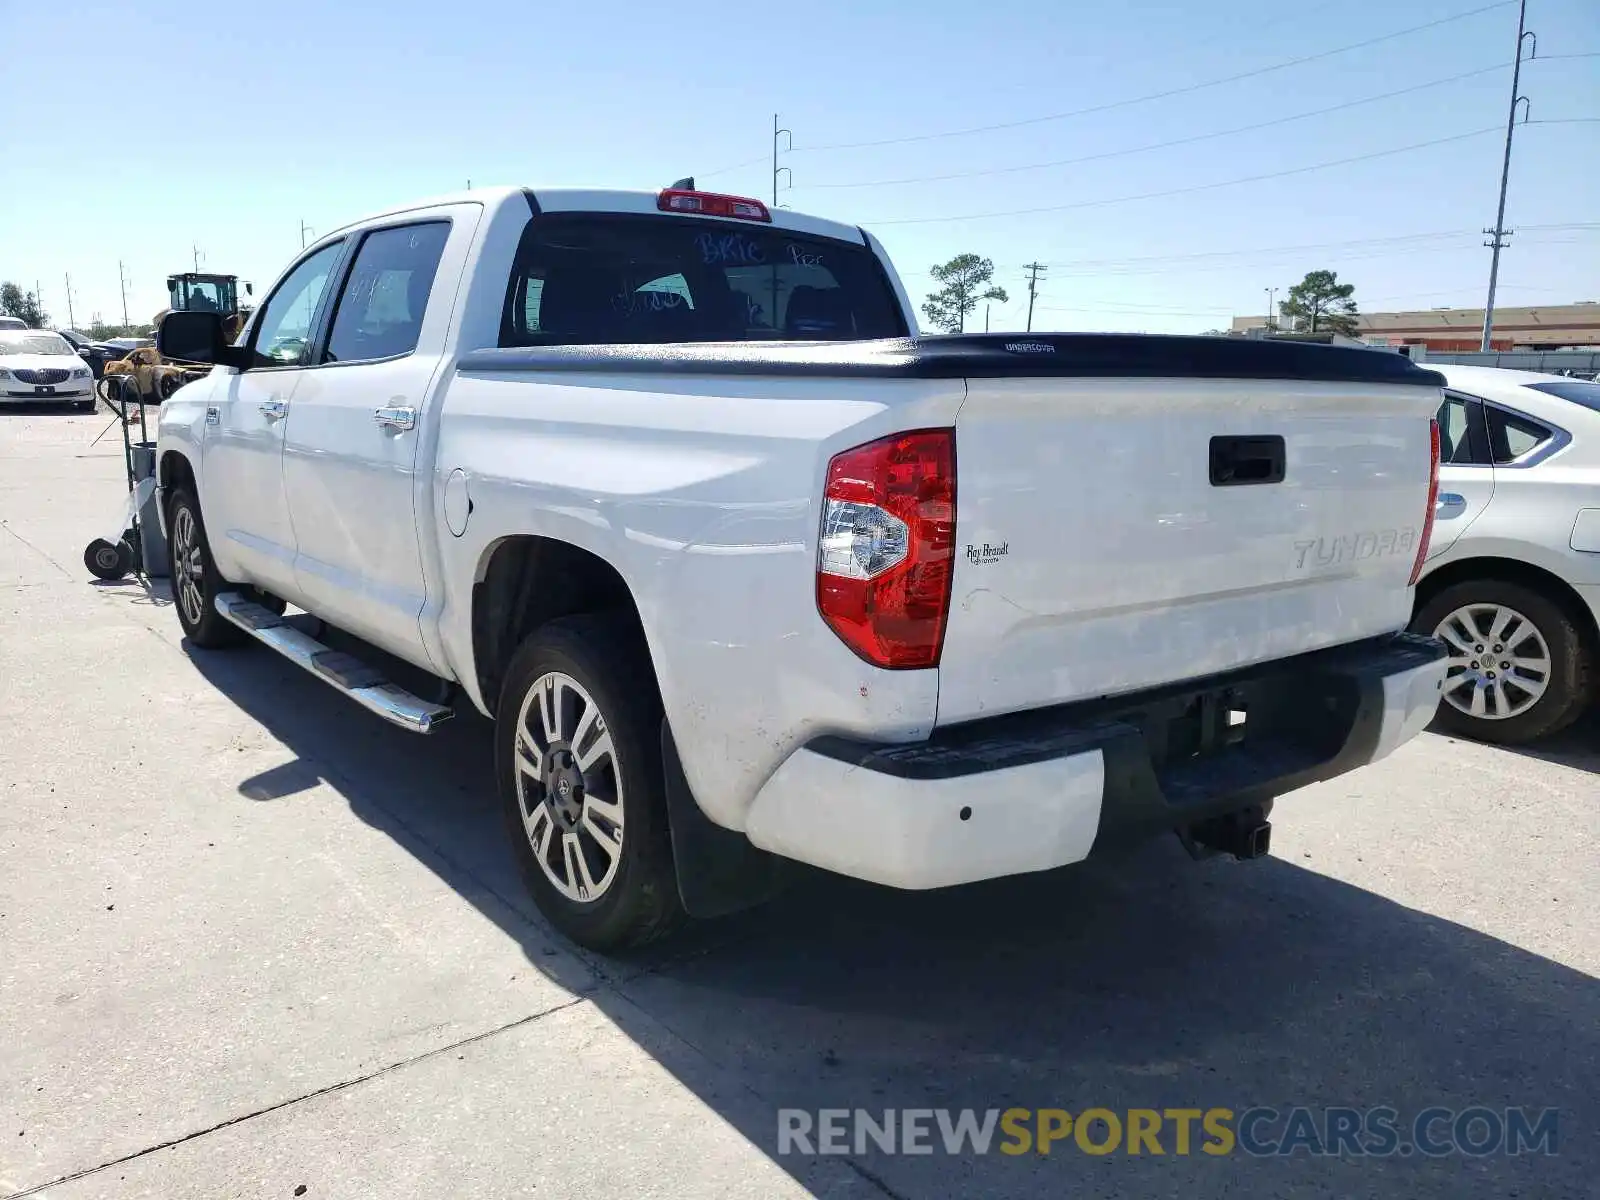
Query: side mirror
(195, 336)
(86, 353)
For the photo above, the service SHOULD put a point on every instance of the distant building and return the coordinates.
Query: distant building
(1547, 327)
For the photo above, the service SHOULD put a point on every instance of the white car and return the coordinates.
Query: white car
(1512, 580)
(12, 323)
(39, 366)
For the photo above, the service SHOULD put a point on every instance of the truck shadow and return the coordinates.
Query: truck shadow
(1151, 983)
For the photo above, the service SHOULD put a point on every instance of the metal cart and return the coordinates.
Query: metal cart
(137, 545)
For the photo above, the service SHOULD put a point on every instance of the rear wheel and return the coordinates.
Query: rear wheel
(195, 581)
(578, 757)
(1519, 668)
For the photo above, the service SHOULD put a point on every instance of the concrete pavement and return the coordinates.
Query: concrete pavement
(252, 941)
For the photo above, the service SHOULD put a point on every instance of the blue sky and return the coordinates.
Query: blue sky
(227, 125)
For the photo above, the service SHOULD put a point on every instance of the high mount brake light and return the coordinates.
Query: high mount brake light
(711, 204)
(1433, 499)
(887, 548)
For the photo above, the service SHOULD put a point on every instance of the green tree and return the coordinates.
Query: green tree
(14, 302)
(100, 331)
(1319, 303)
(963, 277)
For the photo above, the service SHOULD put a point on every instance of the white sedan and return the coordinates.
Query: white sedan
(39, 366)
(1512, 580)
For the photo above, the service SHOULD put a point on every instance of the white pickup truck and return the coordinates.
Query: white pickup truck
(745, 571)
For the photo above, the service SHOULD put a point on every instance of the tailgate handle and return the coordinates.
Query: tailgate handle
(1236, 461)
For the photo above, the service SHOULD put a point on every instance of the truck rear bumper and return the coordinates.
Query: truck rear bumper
(1035, 790)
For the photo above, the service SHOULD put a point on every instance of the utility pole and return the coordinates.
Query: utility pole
(776, 169)
(1034, 269)
(304, 229)
(122, 281)
(1499, 234)
(1272, 309)
(72, 322)
(197, 258)
(986, 318)
(38, 296)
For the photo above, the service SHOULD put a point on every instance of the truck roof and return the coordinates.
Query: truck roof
(554, 199)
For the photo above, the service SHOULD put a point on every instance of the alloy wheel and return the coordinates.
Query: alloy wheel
(1499, 663)
(189, 574)
(569, 790)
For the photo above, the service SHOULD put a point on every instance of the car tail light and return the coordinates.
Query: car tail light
(887, 547)
(710, 204)
(1433, 499)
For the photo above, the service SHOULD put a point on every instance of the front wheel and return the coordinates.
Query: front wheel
(1518, 670)
(195, 581)
(578, 758)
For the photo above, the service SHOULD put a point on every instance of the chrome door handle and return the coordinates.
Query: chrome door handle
(1449, 504)
(274, 410)
(396, 418)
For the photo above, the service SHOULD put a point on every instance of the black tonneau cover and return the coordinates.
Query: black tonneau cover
(980, 356)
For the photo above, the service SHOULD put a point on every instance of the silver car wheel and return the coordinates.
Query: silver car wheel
(1499, 661)
(568, 787)
(190, 574)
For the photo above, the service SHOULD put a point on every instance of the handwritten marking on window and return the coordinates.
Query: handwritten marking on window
(717, 249)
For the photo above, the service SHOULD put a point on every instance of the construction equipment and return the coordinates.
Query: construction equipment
(194, 292)
(154, 378)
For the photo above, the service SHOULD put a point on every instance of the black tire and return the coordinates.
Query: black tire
(605, 656)
(108, 560)
(197, 613)
(85, 406)
(1570, 678)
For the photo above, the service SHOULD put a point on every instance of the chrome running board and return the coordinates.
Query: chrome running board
(364, 684)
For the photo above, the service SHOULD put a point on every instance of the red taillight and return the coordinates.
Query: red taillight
(710, 204)
(1433, 498)
(887, 547)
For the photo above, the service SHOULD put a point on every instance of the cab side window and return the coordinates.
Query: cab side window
(379, 311)
(282, 335)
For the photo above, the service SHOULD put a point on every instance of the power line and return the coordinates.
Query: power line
(1183, 141)
(1137, 312)
(1156, 263)
(749, 162)
(1458, 248)
(1206, 187)
(1214, 254)
(1162, 95)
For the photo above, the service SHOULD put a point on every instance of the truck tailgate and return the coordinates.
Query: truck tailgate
(1117, 534)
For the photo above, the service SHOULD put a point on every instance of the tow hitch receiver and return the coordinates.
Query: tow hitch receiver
(1245, 833)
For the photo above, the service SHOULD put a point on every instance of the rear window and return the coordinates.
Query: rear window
(1579, 392)
(586, 279)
